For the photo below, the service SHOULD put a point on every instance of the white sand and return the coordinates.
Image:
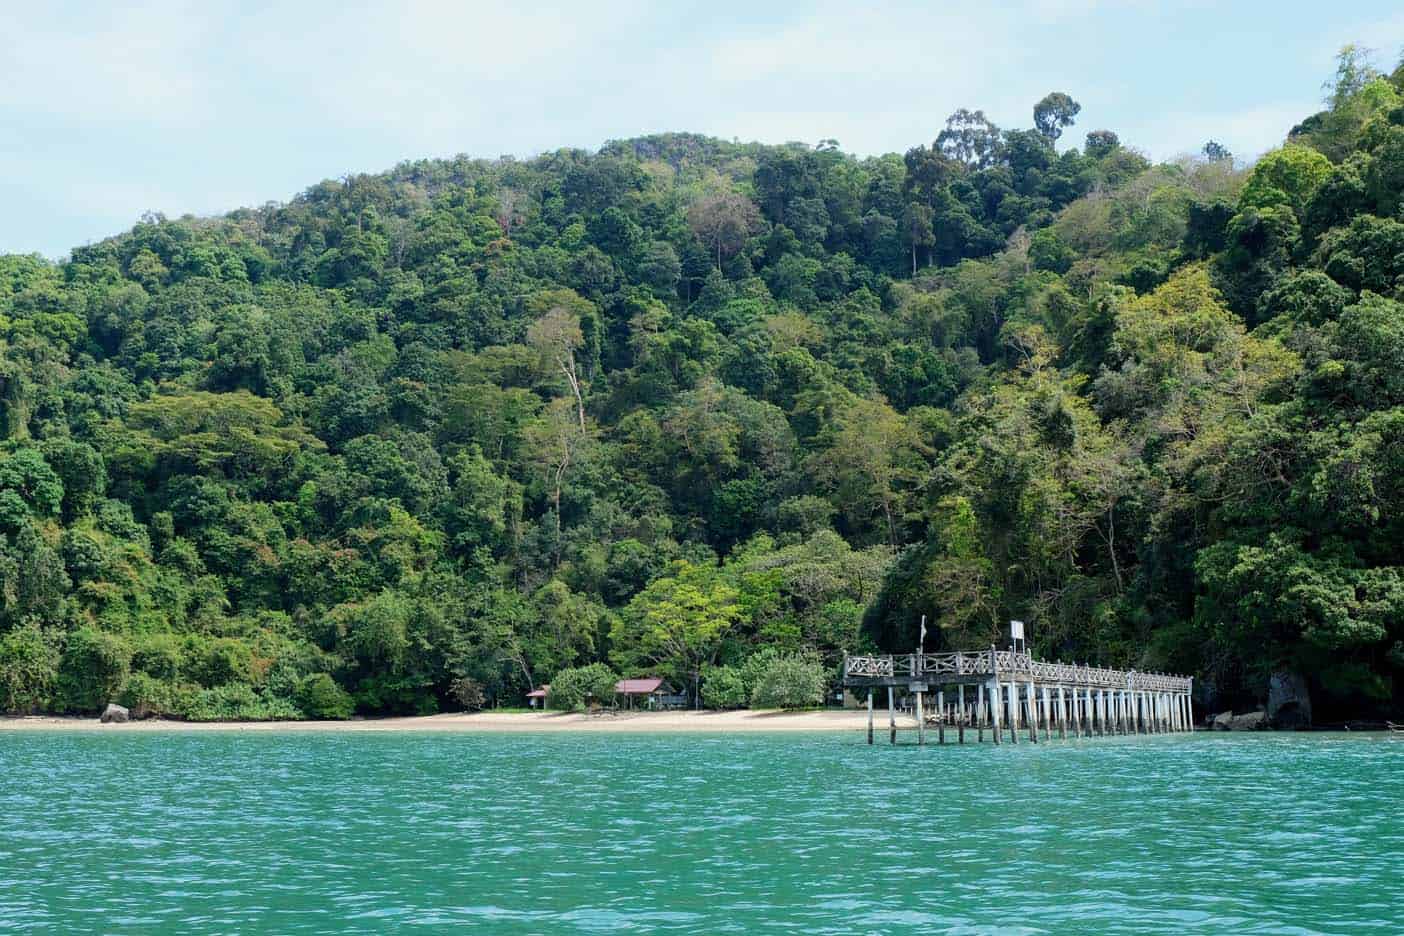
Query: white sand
(661, 722)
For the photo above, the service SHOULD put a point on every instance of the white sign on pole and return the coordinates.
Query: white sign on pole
(1016, 630)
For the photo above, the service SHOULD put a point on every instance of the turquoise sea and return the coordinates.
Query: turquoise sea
(280, 832)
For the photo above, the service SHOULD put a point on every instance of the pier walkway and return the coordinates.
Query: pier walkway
(1009, 691)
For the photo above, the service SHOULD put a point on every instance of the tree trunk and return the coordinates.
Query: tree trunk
(1111, 545)
(567, 364)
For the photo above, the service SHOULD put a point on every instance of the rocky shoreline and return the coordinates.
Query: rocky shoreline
(1259, 720)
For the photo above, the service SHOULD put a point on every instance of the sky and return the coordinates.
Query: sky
(111, 109)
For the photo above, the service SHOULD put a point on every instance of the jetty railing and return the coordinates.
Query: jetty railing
(1012, 664)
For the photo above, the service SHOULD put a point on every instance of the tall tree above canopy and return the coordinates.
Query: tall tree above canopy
(1056, 111)
(970, 137)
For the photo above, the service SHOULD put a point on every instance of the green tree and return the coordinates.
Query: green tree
(574, 689)
(678, 622)
(790, 682)
(1053, 113)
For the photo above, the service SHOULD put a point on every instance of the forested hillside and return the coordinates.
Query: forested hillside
(426, 439)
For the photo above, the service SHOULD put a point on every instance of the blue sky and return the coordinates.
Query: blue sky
(111, 109)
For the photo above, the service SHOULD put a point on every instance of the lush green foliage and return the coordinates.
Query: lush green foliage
(582, 686)
(790, 681)
(433, 437)
(318, 696)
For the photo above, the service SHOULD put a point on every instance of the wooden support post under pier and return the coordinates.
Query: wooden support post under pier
(870, 715)
(960, 730)
(921, 719)
(940, 716)
(1013, 697)
(980, 713)
(993, 696)
(891, 718)
(1032, 705)
(1062, 713)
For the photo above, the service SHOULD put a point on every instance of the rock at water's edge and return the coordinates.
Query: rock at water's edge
(1222, 721)
(1253, 721)
(114, 713)
(1289, 700)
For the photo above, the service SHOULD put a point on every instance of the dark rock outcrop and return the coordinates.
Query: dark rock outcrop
(1252, 721)
(1289, 700)
(114, 713)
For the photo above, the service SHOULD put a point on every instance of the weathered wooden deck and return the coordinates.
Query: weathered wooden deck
(998, 690)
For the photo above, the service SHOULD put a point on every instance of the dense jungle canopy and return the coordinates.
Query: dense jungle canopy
(426, 439)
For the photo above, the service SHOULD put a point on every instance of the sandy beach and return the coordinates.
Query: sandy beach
(662, 722)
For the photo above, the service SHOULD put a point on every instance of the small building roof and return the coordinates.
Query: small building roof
(539, 693)
(646, 686)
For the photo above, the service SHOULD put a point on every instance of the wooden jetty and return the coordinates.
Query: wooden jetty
(1003, 691)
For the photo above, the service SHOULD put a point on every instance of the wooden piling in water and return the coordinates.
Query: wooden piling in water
(1013, 700)
(870, 715)
(891, 718)
(960, 730)
(940, 716)
(921, 719)
(993, 696)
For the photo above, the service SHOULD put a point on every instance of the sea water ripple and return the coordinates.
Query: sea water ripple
(313, 833)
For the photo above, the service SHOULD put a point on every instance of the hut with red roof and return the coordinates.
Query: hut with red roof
(650, 692)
